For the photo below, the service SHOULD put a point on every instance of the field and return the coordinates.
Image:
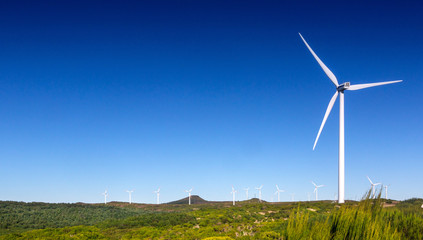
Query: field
(367, 219)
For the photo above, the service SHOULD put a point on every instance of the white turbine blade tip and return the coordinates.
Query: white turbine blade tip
(322, 65)
(328, 110)
(367, 85)
(370, 180)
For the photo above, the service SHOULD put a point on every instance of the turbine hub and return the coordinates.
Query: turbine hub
(343, 86)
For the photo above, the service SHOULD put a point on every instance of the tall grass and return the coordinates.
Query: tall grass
(364, 220)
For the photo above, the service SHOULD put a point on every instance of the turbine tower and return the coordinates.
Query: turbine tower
(373, 186)
(158, 195)
(292, 196)
(340, 88)
(316, 187)
(233, 195)
(278, 191)
(189, 196)
(246, 192)
(130, 195)
(259, 190)
(105, 196)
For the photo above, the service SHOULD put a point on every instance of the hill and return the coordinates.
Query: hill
(195, 199)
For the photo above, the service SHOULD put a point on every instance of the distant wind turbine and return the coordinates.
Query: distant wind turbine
(259, 190)
(130, 195)
(373, 186)
(278, 191)
(316, 187)
(233, 195)
(386, 191)
(105, 196)
(158, 196)
(334, 198)
(340, 88)
(246, 192)
(189, 196)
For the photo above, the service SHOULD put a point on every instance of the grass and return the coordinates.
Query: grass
(367, 219)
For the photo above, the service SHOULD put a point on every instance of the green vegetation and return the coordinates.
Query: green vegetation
(19, 216)
(367, 219)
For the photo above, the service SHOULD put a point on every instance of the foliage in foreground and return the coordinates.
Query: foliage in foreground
(308, 220)
(366, 220)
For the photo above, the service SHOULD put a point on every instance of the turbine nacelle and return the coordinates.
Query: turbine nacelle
(343, 87)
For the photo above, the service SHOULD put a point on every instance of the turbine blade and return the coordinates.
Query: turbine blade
(322, 65)
(370, 180)
(314, 184)
(331, 103)
(367, 85)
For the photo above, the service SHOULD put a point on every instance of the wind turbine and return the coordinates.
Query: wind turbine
(246, 192)
(373, 186)
(130, 195)
(278, 191)
(158, 195)
(105, 196)
(259, 190)
(233, 195)
(340, 88)
(189, 196)
(316, 187)
(334, 198)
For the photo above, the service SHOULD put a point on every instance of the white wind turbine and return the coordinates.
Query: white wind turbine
(233, 195)
(189, 196)
(105, 196)
(334, 198)
(316, 187)
(259, 190)
(158, 195)
(130, 195)
(339, 91)
(373, 186)
(292, 196)
(278, 191)
(246, 192)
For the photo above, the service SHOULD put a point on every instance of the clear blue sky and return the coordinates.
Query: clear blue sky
(206, 94)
